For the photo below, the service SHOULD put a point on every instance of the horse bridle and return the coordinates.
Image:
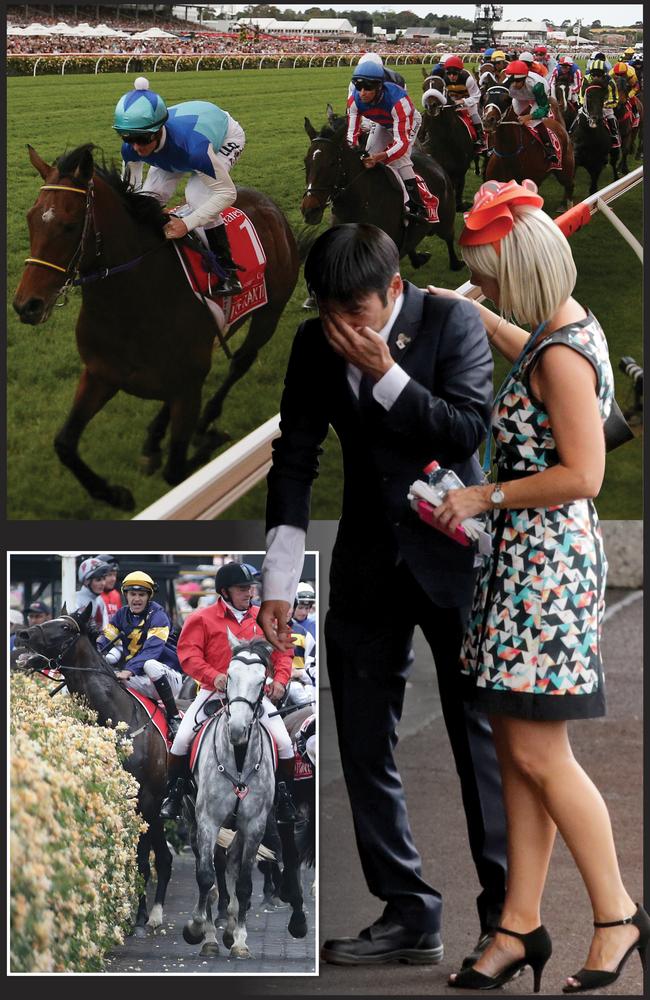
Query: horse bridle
(335, 190)
(239, 782)
(584, 111)
(73, 276)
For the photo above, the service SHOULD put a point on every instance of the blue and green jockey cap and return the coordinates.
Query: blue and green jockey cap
(141, 110)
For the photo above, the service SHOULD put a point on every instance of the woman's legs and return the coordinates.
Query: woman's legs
(542, 755)
(531, 834)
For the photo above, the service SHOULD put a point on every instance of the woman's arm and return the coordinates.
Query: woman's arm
(508, 338)
(565, 382)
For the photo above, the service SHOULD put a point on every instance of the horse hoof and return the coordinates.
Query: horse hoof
(150, 463)
(298, 925)
(139, 931)
(209, 950)
(191, 935)
(240, 951)
(116, 496)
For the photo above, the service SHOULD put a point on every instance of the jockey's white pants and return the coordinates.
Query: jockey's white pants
(381, 138)
(186, 730)
(300, 694)
(221, 191)
(153, 670)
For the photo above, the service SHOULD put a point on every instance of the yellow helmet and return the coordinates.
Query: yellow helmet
(138, 579)
(498, 56)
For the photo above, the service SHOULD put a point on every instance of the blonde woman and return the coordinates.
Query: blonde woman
(531, 654)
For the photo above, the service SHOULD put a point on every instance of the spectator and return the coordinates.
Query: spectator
(37, 613)
(111, 596)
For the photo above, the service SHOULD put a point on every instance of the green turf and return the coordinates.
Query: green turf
(55, 113)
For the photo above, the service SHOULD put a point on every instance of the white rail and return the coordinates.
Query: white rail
(216, 486)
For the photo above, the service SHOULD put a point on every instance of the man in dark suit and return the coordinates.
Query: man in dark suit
(403, 378)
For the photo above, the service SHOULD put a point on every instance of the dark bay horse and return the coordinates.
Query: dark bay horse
(444, 137)
(335, 174)
(627, 127)
(64, 644)
(592, 139)
(516, 154)
(140, 327)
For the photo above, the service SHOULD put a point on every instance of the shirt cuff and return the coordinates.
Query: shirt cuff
(390, 385)
(282, 566)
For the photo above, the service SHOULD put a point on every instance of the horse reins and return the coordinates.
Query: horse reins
(240, 783)
(335, 191)
(73, 275)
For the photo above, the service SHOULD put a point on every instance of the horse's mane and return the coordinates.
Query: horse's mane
(142, 207)
(328, 132)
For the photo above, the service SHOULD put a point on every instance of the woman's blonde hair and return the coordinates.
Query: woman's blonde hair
(535, 271)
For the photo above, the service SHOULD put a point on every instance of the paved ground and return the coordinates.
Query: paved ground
(609, 748)
(273, 949)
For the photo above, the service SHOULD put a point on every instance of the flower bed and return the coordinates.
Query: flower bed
(74, 831)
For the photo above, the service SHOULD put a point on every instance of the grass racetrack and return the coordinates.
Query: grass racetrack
(55, 113)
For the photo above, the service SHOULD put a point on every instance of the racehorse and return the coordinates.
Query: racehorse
(63, 644)
(516, 154)
(444, 136)
(140, 327)
(626, 127)
(335, 174)
(592, 139)
(234, 772)
(561, 92)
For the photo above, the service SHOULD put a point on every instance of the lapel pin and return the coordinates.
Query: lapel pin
(402, 341)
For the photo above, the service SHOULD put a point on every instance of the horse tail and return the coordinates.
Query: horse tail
(306, 840)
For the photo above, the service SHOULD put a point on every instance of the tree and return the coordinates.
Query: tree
(596, 24)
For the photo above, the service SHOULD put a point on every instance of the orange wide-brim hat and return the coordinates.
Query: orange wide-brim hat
(490, 218)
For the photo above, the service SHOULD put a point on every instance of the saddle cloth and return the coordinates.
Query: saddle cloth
(557, 146)
(631, 112)
(247, 251)
(155, 713)
(464, 116)
(198, 739)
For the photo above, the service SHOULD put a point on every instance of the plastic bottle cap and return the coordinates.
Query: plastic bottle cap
(431, 467)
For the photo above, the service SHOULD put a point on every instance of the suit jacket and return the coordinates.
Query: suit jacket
(442, 413)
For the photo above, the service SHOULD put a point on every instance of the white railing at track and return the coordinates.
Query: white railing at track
(216, 486)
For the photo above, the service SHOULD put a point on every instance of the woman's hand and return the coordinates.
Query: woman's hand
(444, 293)
(462, 503)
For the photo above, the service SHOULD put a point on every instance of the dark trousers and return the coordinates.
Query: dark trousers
(367, 664)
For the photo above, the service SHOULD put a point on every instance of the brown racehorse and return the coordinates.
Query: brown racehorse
(628, 130)
(516, 154)
(140, 327)
(561, 92)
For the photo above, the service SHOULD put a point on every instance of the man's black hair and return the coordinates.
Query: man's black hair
(348, 262)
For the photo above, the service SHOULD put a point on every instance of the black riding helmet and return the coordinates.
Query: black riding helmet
(235, 574)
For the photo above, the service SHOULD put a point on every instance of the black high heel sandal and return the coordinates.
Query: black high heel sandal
(537, 951)
(593, 979)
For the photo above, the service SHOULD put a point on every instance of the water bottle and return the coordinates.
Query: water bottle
(441, 480)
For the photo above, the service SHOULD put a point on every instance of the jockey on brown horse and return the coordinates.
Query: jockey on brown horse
(530, 102)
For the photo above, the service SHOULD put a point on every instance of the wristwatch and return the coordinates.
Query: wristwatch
(497, 495)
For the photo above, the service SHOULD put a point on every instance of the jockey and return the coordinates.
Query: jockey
(304, 606)
(596, 57)
(500, 63)
(542, 55)
(397, 122)
(597, 76)
(300, 688)
(637, 65)
(195, 138)
(463, 90)
(111, 596)
(205, 654)
(568, 71)
(530, 102)
(91, 576)
(533, 65)
(625, 78)
(139, 633)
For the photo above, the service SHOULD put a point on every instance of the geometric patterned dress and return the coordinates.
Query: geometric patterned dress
(532, 648)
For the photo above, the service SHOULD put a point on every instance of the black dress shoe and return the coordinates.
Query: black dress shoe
(385, 942)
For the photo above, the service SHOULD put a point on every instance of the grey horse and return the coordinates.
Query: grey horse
(234, 772)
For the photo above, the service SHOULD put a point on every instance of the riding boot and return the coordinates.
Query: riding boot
(612, 125)
(177, 775)
(479, 142)
(285, 810)
(415, 207)
(549, 148)
(217, 238)
(164, 689)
